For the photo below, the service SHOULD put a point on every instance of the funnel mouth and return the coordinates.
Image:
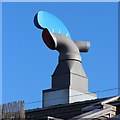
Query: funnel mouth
(49, 39)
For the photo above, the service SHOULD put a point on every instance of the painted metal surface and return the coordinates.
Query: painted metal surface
(69, 73)
(44, 19)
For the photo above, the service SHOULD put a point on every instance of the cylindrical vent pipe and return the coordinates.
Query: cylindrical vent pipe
(67, 48)
(83, 46)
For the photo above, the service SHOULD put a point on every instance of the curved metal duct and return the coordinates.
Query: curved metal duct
(67, 48)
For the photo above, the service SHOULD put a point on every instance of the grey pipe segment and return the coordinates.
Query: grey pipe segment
(68, 49)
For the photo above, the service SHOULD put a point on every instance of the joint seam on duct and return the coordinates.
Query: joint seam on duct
(70, 59)
(71, 73)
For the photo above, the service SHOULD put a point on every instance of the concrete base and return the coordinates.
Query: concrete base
(65, 96)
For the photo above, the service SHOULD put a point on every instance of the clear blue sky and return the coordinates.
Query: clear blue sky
(28, 64)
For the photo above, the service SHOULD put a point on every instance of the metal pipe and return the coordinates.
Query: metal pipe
(67, 48)
(83, 46)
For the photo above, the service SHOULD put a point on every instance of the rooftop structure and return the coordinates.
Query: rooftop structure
(99, 109)
(69, 77)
